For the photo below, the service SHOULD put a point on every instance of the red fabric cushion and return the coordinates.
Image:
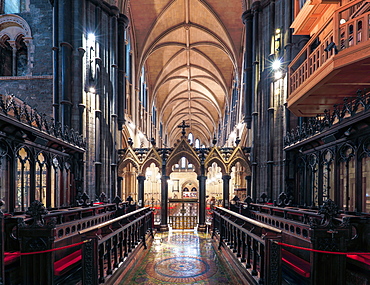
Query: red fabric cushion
(299, 265)
(62, 265)
(10, 257)
(365, 259)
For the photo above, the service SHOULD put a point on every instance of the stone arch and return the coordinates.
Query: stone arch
(188, 155)
(17, 33)
(219, 163)
(243, 162)
(148, 162)
(125, 162)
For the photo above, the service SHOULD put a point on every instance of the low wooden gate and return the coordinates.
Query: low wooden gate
(183, 213)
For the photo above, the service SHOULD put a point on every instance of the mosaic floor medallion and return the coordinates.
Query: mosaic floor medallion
(185, 258)
(181, 269)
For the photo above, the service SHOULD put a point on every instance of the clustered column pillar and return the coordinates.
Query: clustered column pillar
(226, 191)
(66, 48)
(247, 18)
(164, 202)
(140, 192)
(123, 22)
(202, 202)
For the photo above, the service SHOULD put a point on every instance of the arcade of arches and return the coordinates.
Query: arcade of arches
(183, 183)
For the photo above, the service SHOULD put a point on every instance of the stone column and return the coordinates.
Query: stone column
(140, 192)
(202, 202)
(226, 191)
(249, 185)
(164, 202)
(123, 22)
(65, 27)
(247, 18)
(14, 57)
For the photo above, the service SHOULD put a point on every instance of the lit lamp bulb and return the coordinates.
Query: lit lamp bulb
(276, 64)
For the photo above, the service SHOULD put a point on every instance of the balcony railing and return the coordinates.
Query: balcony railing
(344, 30)
(322, 122)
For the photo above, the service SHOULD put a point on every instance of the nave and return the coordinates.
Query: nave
(181, 257)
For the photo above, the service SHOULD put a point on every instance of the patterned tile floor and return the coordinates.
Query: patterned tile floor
(179, 257)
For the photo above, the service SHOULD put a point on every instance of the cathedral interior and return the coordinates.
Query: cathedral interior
(185, 142)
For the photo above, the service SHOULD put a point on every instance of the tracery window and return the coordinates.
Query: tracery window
(41, 172)
(347, 178)
(328, 175)
(4, 175)
(55, 183)
(191, 138)
(22, 197)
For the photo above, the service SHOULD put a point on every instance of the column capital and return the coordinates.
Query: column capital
(141, 177)
(256, 6)
(226, 177)
(123, 19)
(247, 16)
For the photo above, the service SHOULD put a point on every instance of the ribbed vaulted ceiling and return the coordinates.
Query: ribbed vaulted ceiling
(191, 50)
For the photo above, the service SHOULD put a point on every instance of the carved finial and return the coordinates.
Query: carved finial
(214, 141)
(103, 197)
(84, 199)
(328, 211)
(263, 197)
(117, 200)
(248, 200)
(37, 211)
(282, 199)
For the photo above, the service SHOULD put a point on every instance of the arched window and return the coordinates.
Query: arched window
(40, 193)
(22, 197)
(15, 44)
(183, 162)
(190, 137)
(13, 6)
(6, 57)
(197, 143)
(55, 183)
(21, 59)
(4, 174)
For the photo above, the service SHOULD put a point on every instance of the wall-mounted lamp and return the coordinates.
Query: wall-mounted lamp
(276, 64)
(92, 90)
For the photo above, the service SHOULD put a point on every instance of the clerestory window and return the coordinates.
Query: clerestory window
(12, 6)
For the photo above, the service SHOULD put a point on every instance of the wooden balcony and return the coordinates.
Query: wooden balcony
(334, 64)
(310, 14)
